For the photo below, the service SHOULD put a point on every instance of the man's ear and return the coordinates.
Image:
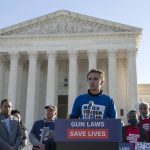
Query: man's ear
(55, 113)
(101, 82)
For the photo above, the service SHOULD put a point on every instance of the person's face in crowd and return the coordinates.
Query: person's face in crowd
(94, 81)
(6, 108)
(18, 116)
(50, 113)
(132, 119)
(144, 110)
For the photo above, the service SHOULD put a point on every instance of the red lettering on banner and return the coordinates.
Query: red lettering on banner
(87, 133)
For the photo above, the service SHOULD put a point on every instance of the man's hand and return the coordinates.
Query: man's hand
(42, 147)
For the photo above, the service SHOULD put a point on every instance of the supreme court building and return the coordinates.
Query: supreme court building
(45, 61)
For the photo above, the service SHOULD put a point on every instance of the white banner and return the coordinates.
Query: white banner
(142, 146)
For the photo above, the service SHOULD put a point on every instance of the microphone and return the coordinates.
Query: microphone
(91, 103)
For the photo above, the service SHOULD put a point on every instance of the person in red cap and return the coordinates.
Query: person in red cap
(41, 134)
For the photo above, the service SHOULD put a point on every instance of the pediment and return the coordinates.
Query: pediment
(66, 22)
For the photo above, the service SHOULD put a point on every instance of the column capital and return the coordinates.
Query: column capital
(72, 53)
(92, 51)
(112, 52)
(13, 55)
(2, 59)
(131, 52)
(132, 49)
(32, 54)
(111, 55)
(51, 54)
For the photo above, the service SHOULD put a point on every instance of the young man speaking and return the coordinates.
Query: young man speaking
(94, 104)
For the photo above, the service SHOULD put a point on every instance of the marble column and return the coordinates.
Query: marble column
(19, 84)
(92, 59)
(31, 89)
(51, 74)
(73, 84)
(1, 77)
(12, 83)
(132, 78)
(112, 74)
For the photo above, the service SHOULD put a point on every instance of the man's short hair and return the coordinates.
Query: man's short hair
(15, 111)
(3, 101)
(143, 104)
(131, 111)
(100, 72)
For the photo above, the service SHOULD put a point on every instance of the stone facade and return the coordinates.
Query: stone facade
(144, 93)
(39, 55)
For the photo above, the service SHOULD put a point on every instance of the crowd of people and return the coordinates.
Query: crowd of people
(92, 105)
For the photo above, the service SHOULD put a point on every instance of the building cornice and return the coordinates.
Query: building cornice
(70, 35)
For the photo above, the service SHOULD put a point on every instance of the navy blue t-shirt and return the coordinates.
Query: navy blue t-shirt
(40, 129)
(103, 107)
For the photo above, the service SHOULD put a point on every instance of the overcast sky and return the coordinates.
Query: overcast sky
(130, 12)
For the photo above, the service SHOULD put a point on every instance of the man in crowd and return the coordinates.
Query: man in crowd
(10, 131)
(17, 114)
(144, 118)
(41, 135)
